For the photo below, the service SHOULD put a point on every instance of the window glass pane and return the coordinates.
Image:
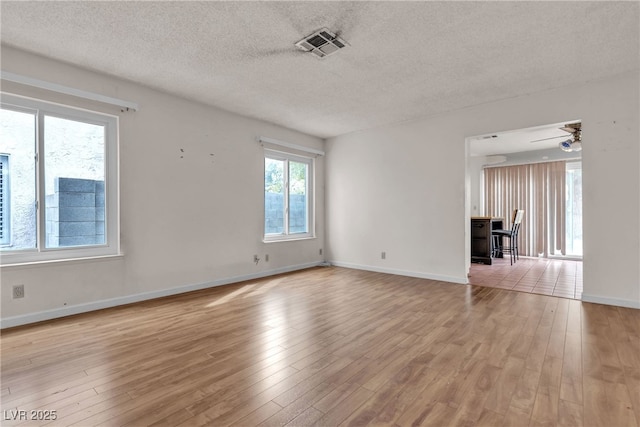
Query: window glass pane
(74, 183)
(274, 196)
(298, 201)
(18, 147)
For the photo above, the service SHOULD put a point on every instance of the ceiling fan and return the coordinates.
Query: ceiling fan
(572, 144)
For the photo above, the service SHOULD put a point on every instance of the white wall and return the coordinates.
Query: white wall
(474, 173)
(186, 222)
(401, 189)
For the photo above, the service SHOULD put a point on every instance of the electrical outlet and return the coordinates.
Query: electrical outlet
(18, 291)
(266, 258)
(383, 255)
(320, 251)
(256, 259)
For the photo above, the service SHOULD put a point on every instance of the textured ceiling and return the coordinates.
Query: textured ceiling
(406, 59)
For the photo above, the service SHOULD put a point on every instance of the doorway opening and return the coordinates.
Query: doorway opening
(538, 170)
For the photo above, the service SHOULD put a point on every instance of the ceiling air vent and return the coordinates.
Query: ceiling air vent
(322, 43)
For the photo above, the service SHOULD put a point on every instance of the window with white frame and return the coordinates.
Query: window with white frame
(63, 199)
(288, 196)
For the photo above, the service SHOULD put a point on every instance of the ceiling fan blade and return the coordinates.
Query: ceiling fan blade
(546, 139)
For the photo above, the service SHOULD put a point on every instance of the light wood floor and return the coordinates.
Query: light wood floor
(328, 347)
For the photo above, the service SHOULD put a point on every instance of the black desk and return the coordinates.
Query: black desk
(481, 240)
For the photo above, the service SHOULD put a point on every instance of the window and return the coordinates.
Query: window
(288, 200)
(63, 202)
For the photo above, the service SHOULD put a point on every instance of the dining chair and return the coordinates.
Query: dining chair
(512, 234)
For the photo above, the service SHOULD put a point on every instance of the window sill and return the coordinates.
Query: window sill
(292, 239)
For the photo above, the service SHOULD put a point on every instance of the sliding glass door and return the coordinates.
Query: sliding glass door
(574, 209)
(550, 193)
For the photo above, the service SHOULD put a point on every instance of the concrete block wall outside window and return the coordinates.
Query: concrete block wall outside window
(75, 213)
(298, 213)
(274, 213)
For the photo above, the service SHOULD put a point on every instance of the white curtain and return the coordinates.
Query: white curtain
(538, 189)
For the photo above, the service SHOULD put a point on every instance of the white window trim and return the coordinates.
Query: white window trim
(286, 236)
(112, 208)
(6, 197)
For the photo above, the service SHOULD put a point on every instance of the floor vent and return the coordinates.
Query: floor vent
(322, 43)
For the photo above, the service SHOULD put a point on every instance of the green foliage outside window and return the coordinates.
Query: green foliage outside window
(274, 177)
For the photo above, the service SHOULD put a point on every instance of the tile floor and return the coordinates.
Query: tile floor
(562, 278)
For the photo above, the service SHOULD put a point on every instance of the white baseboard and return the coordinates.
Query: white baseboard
(610, 301)
(452, 279)
(10, 322)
